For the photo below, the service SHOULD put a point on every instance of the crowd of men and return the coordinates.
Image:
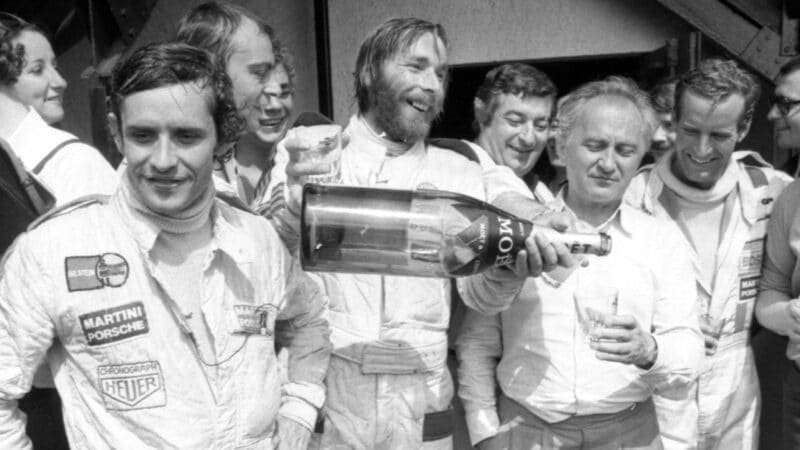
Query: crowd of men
(173, 313)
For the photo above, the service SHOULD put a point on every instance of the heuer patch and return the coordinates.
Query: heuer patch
(132, 386)
(86, 273)
(114, 324)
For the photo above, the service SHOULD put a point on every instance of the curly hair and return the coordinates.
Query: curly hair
(12, 55)
(662, 95)
(391, 37)
(515, 79)
(570, 106)
(165, 64)
(716, 80)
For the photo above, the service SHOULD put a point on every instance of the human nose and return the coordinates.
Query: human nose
(527, 136)
(163, 157)
(431, 81)
(774, 113)
(57, 82)
(270, 102)
(703, 146)
(606, 162)
(660, 134)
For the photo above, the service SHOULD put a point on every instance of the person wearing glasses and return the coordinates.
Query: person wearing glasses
(719, 199)
(778, 307)
(31, 100)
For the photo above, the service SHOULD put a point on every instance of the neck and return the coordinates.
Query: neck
(192, 218)
(251, 151)
(371, 120)
(594, 214)
(12, 113)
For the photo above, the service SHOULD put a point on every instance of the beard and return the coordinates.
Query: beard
(397, 118)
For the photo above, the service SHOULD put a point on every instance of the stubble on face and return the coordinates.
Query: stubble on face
(391, 115)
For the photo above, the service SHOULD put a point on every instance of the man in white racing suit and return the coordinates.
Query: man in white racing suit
(719, 199)
(388, 383)
(161, 304)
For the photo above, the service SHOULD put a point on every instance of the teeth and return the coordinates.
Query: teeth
(420, 106)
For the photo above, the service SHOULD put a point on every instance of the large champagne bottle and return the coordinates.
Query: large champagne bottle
(423, 233)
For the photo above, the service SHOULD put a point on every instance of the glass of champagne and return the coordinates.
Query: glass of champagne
(595, 303)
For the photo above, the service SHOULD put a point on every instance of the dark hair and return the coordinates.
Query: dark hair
(391, 37)
(716, 80)
(515, 79)
(791, 66)
(165, 64)
(12, 57)
(662, 95)
(211, 25)
(285, 58)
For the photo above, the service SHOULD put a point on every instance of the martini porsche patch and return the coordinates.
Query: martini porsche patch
(132, 386)
(114, 324)
(86, 273)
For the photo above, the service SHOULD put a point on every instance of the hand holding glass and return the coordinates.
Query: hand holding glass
(594, 303)
(323, 144)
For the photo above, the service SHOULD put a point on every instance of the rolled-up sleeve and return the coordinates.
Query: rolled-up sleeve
(479, 349)
(26, 332)
(303, 325)
(676, 325)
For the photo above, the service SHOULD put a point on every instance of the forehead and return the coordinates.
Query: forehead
(277, 77)
(789, 85)
(610, 118)
(426, 46)
(529, 106)
(177, 105)
(35, 44)
(249, 42)
(701, 111)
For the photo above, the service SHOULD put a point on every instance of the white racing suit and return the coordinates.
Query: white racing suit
(722, 410)
(123, 356)
(388, 376)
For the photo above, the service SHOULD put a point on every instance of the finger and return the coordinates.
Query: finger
(534, 257)
(345, 139)
(565, 258)
(613, 348)
(299, 169)
(612, 357)
(612, 334)
(547, 251)
(521, 265)
(621, 321)
(559, 221)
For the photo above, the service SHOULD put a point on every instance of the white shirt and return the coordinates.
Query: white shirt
(76, 170)
(545, 363)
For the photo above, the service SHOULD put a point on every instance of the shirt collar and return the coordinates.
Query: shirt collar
(621, 218)
(225, 237)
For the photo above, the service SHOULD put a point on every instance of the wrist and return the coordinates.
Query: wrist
(651, 354)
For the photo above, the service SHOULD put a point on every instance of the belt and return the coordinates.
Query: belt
(435, 425)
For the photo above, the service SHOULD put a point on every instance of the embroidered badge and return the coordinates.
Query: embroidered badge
(126, 387)
(86, 273)
(114, 324)
(752, 256)
(254, 319)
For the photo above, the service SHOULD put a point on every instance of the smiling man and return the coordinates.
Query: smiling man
(513, 109)
(719, 199)
(559, 386)
(262, 76)
(157, 309)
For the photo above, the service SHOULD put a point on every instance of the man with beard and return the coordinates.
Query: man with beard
(388, 383)
(719, 199)
(160, 305)
(777, 305)
(262, 75)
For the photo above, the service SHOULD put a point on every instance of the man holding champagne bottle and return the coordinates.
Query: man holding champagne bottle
(561, 386)
(388, 384)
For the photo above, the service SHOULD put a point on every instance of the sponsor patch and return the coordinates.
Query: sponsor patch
(748, 288)
(114, 324)
(254, 319)
(86, 273)
(752, 256)
(132, 386)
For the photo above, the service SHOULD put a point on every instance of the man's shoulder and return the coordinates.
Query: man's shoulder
(452, 150)
(760, 172)
(67, 214)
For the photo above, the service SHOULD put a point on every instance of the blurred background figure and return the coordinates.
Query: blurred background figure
(785, 113)
(662, 97)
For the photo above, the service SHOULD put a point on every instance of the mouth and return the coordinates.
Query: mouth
(523, 150)
(164, 182)
(55, 98)
(274, 123)
(420, 106)
(701, 161)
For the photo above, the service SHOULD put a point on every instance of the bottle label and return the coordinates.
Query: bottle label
(494, 240)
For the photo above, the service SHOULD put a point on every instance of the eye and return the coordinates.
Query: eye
(690, 131)
(515, 121)
(720, 137)
(141, 136)
(541, 125)
(188, 137)
(626, 150)
(594, 146)
(37, 69)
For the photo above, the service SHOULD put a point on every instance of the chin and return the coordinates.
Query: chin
(51, 116)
